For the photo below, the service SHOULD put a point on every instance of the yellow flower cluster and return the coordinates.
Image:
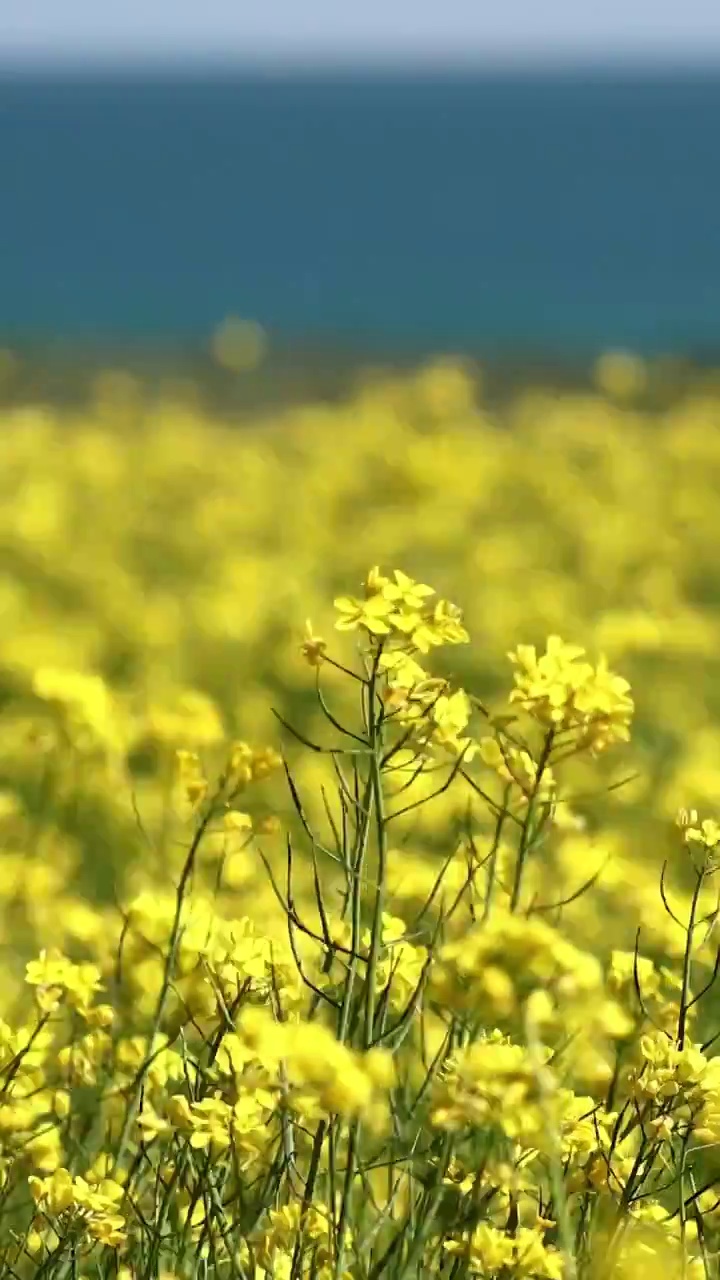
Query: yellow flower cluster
(273, 1245)
(492, 969)
(213, 1125)
(74, 1205)
(565, 693)
(491, 1085)
(400, 963)
(676, 1085)
(54, 976)
(398, 607)
(324, 1076)
(417, 1035)
(523, 1256)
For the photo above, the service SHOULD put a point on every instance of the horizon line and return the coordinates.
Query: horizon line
(487, 63)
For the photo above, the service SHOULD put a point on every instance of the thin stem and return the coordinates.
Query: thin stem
(526, 832)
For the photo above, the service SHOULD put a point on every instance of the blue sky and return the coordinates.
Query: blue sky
(334, 30)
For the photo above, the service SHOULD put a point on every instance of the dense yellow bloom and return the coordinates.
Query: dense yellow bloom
(399, 608)
(490, 1085)
(322, 1071)
(565, 693)
(494, 967)
(54, 976)
(400, 964)
(94, 1208)
(194, 1040)
(522, 1256)
(291, 1226)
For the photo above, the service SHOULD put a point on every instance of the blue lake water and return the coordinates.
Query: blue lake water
(557, 212)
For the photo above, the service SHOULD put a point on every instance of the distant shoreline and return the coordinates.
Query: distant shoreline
(65, 374)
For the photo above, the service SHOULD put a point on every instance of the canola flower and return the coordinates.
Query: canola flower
(360, 1096)
(361, 1002)
(159, 633)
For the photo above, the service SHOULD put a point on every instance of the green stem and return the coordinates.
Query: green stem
(687, 962)
(375, 736)
(134, 1103)
(526, 832)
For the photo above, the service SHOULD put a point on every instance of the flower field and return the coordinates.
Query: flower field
(359, 831)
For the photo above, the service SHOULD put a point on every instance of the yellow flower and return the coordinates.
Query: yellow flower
(372, 614)
(108, 1230)
(405, 592)
(234, 820)
(403, 670)
(152, 1125)
(54, 1194)
(53, 976)
(562, 693)
(707, 834)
